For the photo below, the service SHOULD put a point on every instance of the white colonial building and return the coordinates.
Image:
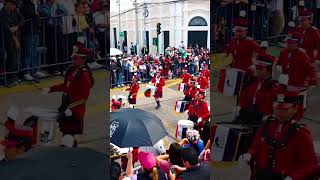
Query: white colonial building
(186, 21)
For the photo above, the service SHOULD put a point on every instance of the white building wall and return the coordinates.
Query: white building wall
(173, 17)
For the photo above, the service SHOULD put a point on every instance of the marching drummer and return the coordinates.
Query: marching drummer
(198, 110)
(191, 91)
(242, 47)
(158, 81)
(282, 147)
(76, 87)
(257, 95)
(203, 82)
(133, 92)
(205, 72)
(296, 63)
(185, 76)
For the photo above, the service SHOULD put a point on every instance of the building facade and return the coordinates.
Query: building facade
(187, 21)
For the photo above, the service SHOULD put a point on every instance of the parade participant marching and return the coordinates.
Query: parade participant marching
(203, 82)
(242, 47)
(78, 82)
(296, 63)
(257, 95)
(185, 76)
(133, 92)
(282, 148)
(158, 81)
(310, 41)
(205, 72)
(191, 91)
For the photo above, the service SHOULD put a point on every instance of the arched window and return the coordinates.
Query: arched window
(198, 21)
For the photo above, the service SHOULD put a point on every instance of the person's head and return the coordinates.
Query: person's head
(134, 79)
(15, 146)
(287, 105)
(306, 18)
(115, 171)
(192, 83)
(221, 20)
(205, 67)
(263, 68)
(240, 32)
(86, 7)
(189, 157)
(10, 5)
(292, 42)
(78, 60)
(200, 94)
(149, 163)
(175, 154)
(79, 8)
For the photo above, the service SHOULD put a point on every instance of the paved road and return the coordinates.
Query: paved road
(95, 124)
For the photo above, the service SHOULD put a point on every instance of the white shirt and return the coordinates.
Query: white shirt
(100, 18)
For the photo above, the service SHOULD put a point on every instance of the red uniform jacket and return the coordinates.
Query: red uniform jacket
(242, 51)
(160, 84)
(262, 92)
(205, 73)
(191, 91)
(200, 109)
(77, 85)
(310, 40)
(134, 88)
(295, 160)
(297, 65)
(203, 82)
(185, 78)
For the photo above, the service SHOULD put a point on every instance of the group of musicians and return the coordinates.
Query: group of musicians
(282, 147)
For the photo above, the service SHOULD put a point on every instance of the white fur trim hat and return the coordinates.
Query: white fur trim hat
(242, 13)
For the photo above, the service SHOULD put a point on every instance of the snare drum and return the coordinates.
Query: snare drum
(182, 127)
(181, 106)
(303, 92)
(151, 90)
(230, 141)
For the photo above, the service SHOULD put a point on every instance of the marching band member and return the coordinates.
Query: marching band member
(203, 82)
(185, 76)
(257, 95)
(76, 88)
(191, 91)
(282, 148)
(242, 47)
(133, 92)
(310, 41)
(158, 81)
(205, 72)
(297, 64)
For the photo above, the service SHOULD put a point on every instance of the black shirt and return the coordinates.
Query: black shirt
(196, 173)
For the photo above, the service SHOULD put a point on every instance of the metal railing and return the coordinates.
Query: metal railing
(49, 44)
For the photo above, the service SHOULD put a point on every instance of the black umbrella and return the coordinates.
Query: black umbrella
(52, 163)
(135, 128)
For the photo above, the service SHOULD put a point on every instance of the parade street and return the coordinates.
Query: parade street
(29, 94)
(166, 113)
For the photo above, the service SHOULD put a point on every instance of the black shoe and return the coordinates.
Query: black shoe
(158, 107)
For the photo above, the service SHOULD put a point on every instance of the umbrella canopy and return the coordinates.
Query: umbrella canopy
(115, 52)
(135, 128)
(52, 163)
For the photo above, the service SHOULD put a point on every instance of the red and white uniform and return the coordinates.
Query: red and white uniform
(296, 159)
(199, 109)
(158, 82)
(77, 85)
(133, 91)
(185, 78)
(310, 41)
(297, 64)
(191, 92)
(243, 51)
(205, 73)
(203, 82)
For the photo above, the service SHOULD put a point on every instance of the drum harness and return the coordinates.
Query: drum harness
(275, 145)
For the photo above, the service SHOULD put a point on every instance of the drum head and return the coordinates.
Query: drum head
(186, 123)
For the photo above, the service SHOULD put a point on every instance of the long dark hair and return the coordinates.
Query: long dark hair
(174, 154)
(115, 171)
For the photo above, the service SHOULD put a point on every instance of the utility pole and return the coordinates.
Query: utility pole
(135, 4)
(118, 1)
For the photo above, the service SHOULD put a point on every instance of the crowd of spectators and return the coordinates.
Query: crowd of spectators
(268, 19)
(171, 64)
(43, 33)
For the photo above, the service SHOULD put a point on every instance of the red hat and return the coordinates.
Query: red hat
(185, 69)
(305, 14)
(294, 38)
(241, 23)
(261, 61)
(287, 99)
